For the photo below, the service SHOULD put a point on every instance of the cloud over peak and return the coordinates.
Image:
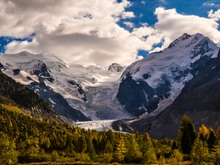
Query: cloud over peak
(87, 32)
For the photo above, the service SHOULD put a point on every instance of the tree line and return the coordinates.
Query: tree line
(24, 139)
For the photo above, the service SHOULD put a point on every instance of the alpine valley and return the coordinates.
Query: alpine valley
(150, 95)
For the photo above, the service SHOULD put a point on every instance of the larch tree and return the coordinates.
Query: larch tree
(120, 150)
(133, 153)
(147, 150)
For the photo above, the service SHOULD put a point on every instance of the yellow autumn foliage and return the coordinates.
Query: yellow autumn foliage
(204, 131)
(12, 108)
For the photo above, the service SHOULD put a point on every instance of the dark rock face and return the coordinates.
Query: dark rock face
(16, 71)
(138, 97)
(79, 88)
(182, 38)
(199, 99)
(40, 69)
(2, 67)
(57, 101)
(115, 67)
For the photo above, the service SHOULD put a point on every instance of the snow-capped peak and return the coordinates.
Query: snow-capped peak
(89, 89)
(163, 75)
(184, 37)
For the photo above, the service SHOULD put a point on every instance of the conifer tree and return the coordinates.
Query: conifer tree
(90, 148)
(82, 145)
(186, 135)
(147, 150)
(133, 153)
(200, 152)
(108, 147)
(212, 140)
(120, 150)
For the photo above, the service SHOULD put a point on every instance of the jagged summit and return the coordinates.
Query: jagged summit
(186, 40)
(185, 36)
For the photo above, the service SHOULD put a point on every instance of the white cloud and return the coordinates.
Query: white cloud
(129, 24)
(214, 15)
(127, 14)
(86, 32)
(172, 24)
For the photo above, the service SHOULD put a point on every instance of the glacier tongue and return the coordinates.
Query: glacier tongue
(99, 125)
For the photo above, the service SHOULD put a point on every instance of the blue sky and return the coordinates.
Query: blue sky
(64, 28)
(144, 11)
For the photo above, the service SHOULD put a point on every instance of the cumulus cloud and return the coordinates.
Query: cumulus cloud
(83, 32)
(127, 14)
(86, 32)
(172, 24)
(128, 24)
(214, 14)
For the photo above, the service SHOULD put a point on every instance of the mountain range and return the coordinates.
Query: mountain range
(151, 95)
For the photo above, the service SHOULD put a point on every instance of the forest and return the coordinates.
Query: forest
(31, 132)
(24, 139)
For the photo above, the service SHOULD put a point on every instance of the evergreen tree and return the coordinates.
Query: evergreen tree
(108, 147)
(111, 136)
(212, 140)
(147, 150)
(186, 135)
(82, 145)
(90, 148)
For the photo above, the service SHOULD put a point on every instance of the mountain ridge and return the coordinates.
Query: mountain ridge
(155, 81)
(143, 90)
(199, 99)
(88, 91)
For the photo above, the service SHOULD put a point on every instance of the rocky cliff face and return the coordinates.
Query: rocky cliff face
(150, 85)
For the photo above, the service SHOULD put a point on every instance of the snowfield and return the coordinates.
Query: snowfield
(92, 90)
